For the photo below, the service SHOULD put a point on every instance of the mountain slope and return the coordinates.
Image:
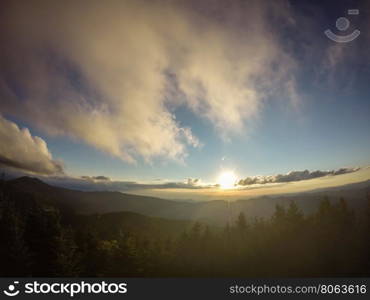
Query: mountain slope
(217, 212)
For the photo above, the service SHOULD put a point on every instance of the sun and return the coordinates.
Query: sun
(227, 180)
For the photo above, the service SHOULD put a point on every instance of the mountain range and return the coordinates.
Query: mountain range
(216, 212)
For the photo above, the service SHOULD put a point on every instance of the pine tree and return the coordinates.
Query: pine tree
(293, 214)
(67, 261)
(13, 251)
(52, 248)
(241, 223)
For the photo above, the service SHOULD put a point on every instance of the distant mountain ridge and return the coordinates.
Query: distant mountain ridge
(215, 212)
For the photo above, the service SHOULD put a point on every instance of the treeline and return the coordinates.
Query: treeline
(37, 240)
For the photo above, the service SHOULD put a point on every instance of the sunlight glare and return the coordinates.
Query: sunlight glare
(227, 180)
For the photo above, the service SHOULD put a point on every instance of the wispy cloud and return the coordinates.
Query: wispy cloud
(96, 178)
(103, 183)
(99, 72)
(20, 150)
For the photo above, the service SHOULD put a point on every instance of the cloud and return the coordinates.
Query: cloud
(293, 176)
(193, 181)
(99, 73)
(96, 178)
(20, 150)
(103, 183)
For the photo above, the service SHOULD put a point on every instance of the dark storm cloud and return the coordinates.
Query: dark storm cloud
(293, 176)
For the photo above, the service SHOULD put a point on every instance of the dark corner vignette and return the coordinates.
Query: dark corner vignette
(217, 146)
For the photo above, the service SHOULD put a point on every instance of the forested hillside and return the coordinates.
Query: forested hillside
(40, 239)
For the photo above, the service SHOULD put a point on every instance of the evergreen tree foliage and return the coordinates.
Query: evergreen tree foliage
(39, 240)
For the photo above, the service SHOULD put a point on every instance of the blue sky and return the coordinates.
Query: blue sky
(259, 90)
(332, 133)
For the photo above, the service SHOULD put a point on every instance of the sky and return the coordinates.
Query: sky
(177, 93)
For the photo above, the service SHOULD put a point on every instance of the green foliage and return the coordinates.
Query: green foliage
(39, 240)
(14, 255)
